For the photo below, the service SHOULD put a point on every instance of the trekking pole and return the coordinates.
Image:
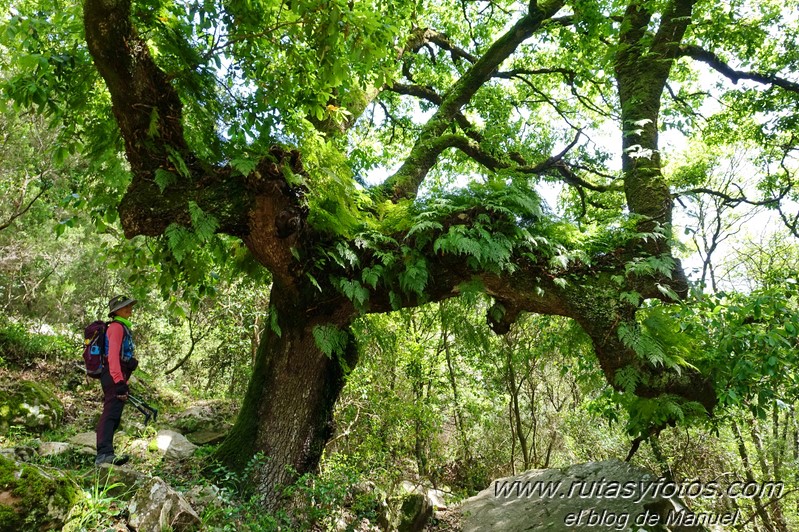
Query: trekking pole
(144, 408)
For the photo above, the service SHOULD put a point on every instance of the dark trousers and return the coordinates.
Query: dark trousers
(111, 416)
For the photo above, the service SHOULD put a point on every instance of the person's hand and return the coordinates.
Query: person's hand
(122, 391)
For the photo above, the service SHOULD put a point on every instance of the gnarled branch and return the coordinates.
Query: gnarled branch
(715, 62)
(405, 183)
(167, 175)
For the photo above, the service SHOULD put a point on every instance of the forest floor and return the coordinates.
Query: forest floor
(446, 521)
(82, 402)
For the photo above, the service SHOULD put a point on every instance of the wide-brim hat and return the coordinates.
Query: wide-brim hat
(119, 302)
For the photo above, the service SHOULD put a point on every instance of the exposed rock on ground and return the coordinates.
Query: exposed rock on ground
(29, 404)
(30, 495)
(596, 496)
(174, 445)
(205, 422)
(156, 506)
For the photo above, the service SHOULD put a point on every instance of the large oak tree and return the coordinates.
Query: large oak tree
(270, 121)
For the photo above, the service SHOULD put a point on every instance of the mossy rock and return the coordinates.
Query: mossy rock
(414, 512)
(30, 404)
(32, 498)
(204, 416)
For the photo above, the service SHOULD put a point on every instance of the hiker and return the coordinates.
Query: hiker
(114, 377)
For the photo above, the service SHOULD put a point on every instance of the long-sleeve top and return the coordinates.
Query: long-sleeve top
(115, 333)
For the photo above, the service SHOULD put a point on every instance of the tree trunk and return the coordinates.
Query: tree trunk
(457, 409)
(287, 413)
(760, 509)
(516, 417)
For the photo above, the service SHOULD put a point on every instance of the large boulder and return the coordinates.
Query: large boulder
(119, 481)
(156, 506)
(206, 437)
(85, 443)
(30, 404)
(32, 498)
(608, 495)
(22, 453)
(204, 423)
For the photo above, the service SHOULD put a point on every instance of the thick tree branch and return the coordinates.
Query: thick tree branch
(565, 170)
(676, 20)
(471, 147)
(642, 69)
(424, 92)
(556, 163)
(715, 62)
(167, 176)
(429, 94)
(536, 284)
(473, 150)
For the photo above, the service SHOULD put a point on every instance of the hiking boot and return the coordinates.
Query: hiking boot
(112, 459)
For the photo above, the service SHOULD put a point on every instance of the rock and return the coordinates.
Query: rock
(138, 447)
(201, 497)
(206, 437)
(53, 448)
(30, 404)
(86, 440)
(205, 416)
(119, 480)
(409, 510)
(174, 445)
(205, 423)
(87, 451)
(414, 513)
(608, 495)
(21, 453)
(32, 498)
(415, 509)
(437, 500)
(156, 506)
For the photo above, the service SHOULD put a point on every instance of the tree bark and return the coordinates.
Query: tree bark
(642, 67)
(287, 413)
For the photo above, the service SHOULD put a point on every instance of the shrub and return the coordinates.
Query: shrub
(18, 347)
